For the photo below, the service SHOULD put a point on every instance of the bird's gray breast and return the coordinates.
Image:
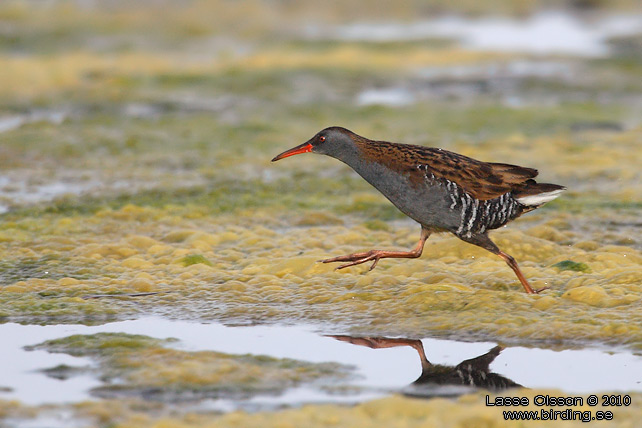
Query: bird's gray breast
(429, 202)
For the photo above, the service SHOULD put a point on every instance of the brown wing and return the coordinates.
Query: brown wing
(482, 180)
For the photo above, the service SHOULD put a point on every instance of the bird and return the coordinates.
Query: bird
(441, 190)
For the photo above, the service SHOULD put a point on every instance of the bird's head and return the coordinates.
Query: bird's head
(334, 141)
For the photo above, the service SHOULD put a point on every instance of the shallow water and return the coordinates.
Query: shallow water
(10, 122)
(507, 82)
(547, 33)
(377, 372)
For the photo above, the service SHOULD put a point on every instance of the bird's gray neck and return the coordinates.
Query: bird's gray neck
(382, 178)
(367, 169)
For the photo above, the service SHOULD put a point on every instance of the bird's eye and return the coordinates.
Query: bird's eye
(321, 139)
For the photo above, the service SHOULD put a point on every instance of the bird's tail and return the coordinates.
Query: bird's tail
(533, 194)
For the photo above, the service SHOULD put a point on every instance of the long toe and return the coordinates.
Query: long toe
(356, 257)
(356, 262)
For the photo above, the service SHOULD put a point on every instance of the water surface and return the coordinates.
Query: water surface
(377, 372)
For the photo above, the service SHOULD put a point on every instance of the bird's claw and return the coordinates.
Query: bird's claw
(541, 289)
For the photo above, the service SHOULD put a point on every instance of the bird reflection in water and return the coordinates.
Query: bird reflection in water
(438, 380)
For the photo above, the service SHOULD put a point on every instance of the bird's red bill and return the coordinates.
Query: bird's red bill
(303, 148)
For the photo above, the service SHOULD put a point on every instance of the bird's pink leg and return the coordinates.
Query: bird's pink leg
(482, 240)
(513, 265)
(376, 255)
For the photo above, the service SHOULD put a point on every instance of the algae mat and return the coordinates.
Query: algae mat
(214, 267)
(136, 180)
(395, 411)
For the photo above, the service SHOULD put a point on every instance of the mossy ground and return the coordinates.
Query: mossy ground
(394, 411)
(169, 120)
(146, 368)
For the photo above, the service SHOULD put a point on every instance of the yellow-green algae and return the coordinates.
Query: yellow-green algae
(194, 259)
(171, 129)
(137, 365)
(396, 411)
(261, 272)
